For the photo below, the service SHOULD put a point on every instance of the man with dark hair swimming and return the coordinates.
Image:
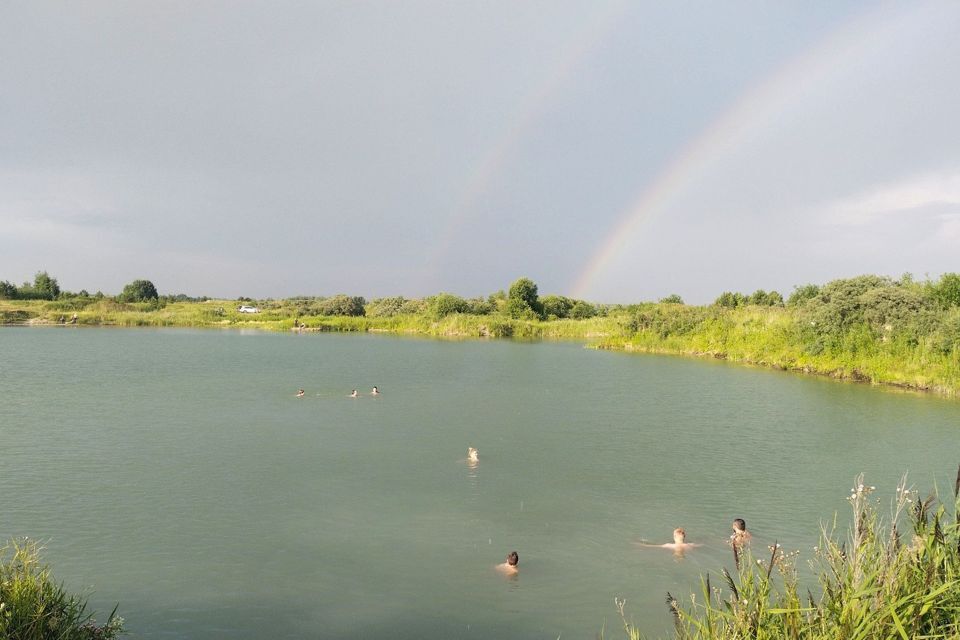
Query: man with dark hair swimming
(510, 566)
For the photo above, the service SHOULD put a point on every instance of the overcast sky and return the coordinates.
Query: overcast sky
(618, 151)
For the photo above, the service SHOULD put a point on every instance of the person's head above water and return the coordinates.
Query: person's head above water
(513, 559)
(472, 454)
(679, 535)
(739, 525)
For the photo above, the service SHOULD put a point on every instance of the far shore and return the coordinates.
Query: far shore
(738, 342)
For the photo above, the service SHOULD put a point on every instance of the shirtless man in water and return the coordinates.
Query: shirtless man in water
(679, 544)
(510, 566)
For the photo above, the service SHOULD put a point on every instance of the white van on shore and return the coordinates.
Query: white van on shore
(245, 309)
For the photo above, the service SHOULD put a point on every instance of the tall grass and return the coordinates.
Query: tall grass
(889, 577)
(34, 607)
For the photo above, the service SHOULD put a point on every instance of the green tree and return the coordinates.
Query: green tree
(730, 300)
(8, 291)
(523, 293)
(138, 291)
(44, 286)
(947, 290)
(672, 299)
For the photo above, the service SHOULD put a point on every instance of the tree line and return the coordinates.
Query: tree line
(46, 287)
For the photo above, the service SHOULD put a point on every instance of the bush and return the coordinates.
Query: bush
(672, 299)
(885, 306)
(582, 310)
(34, 607)
(385, 307)
(342, 305)
(557, 306)
(802, 294)
(480, 307)
(444, 304)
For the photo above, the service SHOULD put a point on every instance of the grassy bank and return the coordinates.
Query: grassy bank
(783, 338)
(224, 314)
(894, 576)
(869, 329)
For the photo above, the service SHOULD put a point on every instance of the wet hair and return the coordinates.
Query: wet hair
(740, 524)
(513, 559)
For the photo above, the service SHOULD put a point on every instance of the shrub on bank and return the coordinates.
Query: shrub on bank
(34, 607)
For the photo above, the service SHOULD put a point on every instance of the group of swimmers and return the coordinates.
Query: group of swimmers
(738, 539)
(354, 394)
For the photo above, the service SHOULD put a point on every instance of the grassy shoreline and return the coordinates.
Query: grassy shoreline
(776, 337)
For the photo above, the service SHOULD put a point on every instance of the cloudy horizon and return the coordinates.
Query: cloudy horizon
(615, 151)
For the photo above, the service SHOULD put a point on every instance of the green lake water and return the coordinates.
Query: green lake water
(174, 472)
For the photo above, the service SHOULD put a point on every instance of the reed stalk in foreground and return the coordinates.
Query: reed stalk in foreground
(875, 583)
(34, 607)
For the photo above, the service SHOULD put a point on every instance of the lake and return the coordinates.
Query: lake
(174, 472)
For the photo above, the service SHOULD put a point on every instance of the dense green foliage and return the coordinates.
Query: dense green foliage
(34, 607)
(138, 291)
(895, 577)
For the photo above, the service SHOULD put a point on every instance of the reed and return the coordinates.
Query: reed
(34, 607)
(874, 582)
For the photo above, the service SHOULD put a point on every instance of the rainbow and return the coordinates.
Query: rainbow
(755, 108)
(525, 116)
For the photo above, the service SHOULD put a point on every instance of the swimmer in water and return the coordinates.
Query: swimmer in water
(375, 392)
(300, 393)
(679, 546)
(354, 394)
(740, 535)
(510, 566)
(472, 455)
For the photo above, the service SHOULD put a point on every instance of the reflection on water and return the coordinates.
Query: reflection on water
(209, 503)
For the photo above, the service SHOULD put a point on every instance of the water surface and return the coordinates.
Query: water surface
(174, 472)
